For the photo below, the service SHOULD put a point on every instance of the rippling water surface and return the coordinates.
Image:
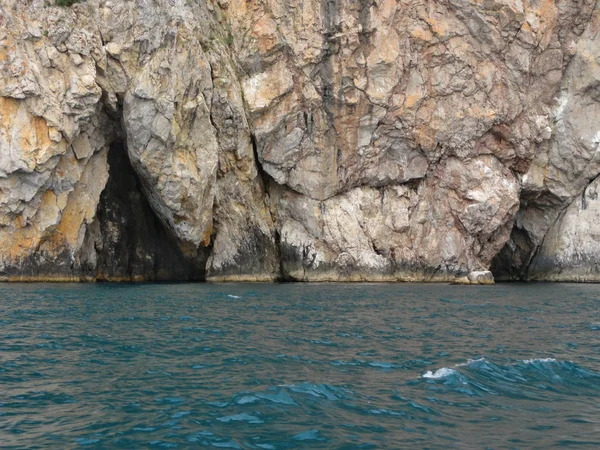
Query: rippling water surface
(287, 366)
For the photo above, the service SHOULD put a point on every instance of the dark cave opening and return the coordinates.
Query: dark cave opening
(132, 244)
(507, 265)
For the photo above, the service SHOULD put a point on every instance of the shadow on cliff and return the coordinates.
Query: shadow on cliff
(131, 242)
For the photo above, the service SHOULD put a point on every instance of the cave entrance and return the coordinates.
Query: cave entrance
(132, 244)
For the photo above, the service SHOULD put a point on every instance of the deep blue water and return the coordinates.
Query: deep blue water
(332, 366)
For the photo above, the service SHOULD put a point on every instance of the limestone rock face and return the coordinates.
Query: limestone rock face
(53, 148)
(345, 94)
(400, 233)
(319, 140)
(157, 80)
(563, 166)
(571, 248)
(450, 100)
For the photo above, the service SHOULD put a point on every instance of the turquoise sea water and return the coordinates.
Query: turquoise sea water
(308, 366)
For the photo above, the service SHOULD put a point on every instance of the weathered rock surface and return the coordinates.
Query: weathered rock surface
(563, 166)
(571, 248)
(447, 226)
(393, 140)
(157, 76)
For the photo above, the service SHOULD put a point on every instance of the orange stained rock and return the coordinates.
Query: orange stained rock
(412, 100)
(4, 51)
(423, 136)
(42, 133)
(81, 204)
(439, 27)
(476, 111)
(206, 237)
(544, 21)
(265, 33)
(19, 243)
(28, 133)
(421, 33)
(8, 110)
(547, 9)
(67, 230)
(48, 200)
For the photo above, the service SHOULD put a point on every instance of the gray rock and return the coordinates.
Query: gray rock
(571, 248)
(387, 141)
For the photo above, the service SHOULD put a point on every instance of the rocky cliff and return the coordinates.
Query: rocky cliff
(317, 140)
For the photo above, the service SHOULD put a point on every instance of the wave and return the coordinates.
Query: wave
(539, 360)
(324, 391)
(440, 373)
(535, 378)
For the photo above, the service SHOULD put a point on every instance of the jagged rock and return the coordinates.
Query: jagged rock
(398, 232)
(244, 246)
(52, 152)
(563, 165)
(158, 76)
(315, 140)
(481, 277)
(383, 91)
(571, 248)
(170, 138)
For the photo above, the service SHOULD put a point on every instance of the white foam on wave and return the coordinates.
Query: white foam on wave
(539, 360)
(445, 372)
(440, 373)
(469, 362)
(233, 296)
